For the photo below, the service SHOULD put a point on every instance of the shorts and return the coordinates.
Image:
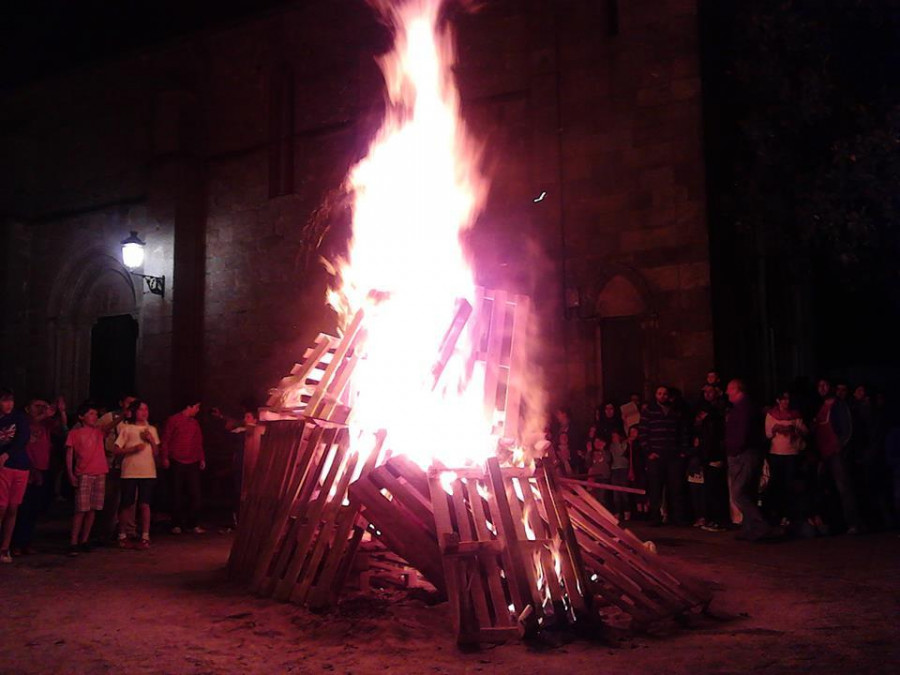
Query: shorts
(13, 483)
(137, 488)
(90, 493)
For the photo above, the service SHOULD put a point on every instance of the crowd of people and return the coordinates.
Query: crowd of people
(807, 465)
(113, 460)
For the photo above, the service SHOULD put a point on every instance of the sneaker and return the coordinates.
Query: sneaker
(5, 557)
(74, 550)
(125, 542)
(700, 522)
(143, 545)
(198, 530)
(176, 530)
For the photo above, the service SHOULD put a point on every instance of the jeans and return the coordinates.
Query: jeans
(668, 473)
(744, 470)
(836, 467)
(621, 500)
(186, 495)
(715, 494)
(784, 471)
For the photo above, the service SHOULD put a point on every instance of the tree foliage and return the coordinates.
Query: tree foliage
(814, 89)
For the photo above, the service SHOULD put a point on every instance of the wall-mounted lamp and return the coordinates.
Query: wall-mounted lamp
(133, 259)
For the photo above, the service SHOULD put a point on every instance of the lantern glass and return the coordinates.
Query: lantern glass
(133, 255)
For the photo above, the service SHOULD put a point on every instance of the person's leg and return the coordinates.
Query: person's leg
(86, 526)
(179, 479)
(655, 480)
(844, 485)
(676, 480)
(126, 510)
(744, 473)
(12, 493)
(27, 518)
(109, 516)
(193, 495)
(77, 523)
(145, 497)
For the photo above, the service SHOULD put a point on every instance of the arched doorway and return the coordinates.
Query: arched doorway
(92, 314)
(113, 358)
(624, 336)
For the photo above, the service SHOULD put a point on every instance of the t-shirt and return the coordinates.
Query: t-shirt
(88, 455)
(140, 464)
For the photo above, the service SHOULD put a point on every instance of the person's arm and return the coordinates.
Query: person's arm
(149, 436)
(770, 426)
(110, 423)
(70, 456)
(122, 448)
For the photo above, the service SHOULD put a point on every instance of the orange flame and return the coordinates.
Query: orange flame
(414, 195)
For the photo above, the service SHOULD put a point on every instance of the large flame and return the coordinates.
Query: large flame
(414, 195)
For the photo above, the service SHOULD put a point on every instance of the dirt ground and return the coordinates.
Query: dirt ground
(826, 606)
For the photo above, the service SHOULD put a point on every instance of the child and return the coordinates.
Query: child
(15, 465)
(138, 442)
(638, 470)
(620, 465)
(87, 467)
(599, 468)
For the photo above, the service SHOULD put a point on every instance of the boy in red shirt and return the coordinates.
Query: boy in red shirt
(87, 466)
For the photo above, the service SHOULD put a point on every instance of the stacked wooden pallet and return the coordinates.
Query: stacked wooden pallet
(512, 548)
(620, 569)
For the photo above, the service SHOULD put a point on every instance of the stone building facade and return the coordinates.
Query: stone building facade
(218, 147)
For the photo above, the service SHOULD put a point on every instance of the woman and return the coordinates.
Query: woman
(138, 443)
(785, 428)
(607, 421)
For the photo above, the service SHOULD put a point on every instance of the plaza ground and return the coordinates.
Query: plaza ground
(826, 606)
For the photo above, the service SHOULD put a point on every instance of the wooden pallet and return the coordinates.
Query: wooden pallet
(312, 539)
(394, 498)
(499, 328)
(620, 569)
(317, 385)
(507, 551)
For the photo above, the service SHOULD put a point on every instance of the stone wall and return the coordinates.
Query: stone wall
(602, 119)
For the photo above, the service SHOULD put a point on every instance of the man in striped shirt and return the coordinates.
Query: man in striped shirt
(663, 433)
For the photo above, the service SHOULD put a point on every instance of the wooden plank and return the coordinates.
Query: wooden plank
(336, 361)
(492, 358)
(451, 337)
(335, 454)
(492, 569)
(327, 531)
(517, 576)
(518, 363)
(472, 579)
(573, 566)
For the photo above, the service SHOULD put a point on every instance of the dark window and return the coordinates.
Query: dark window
(281, 131)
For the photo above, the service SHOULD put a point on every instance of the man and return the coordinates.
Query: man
(182, 451)
(662, 432)
(744, 450)
(45, 422)
(832, 430)
(15, 467)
